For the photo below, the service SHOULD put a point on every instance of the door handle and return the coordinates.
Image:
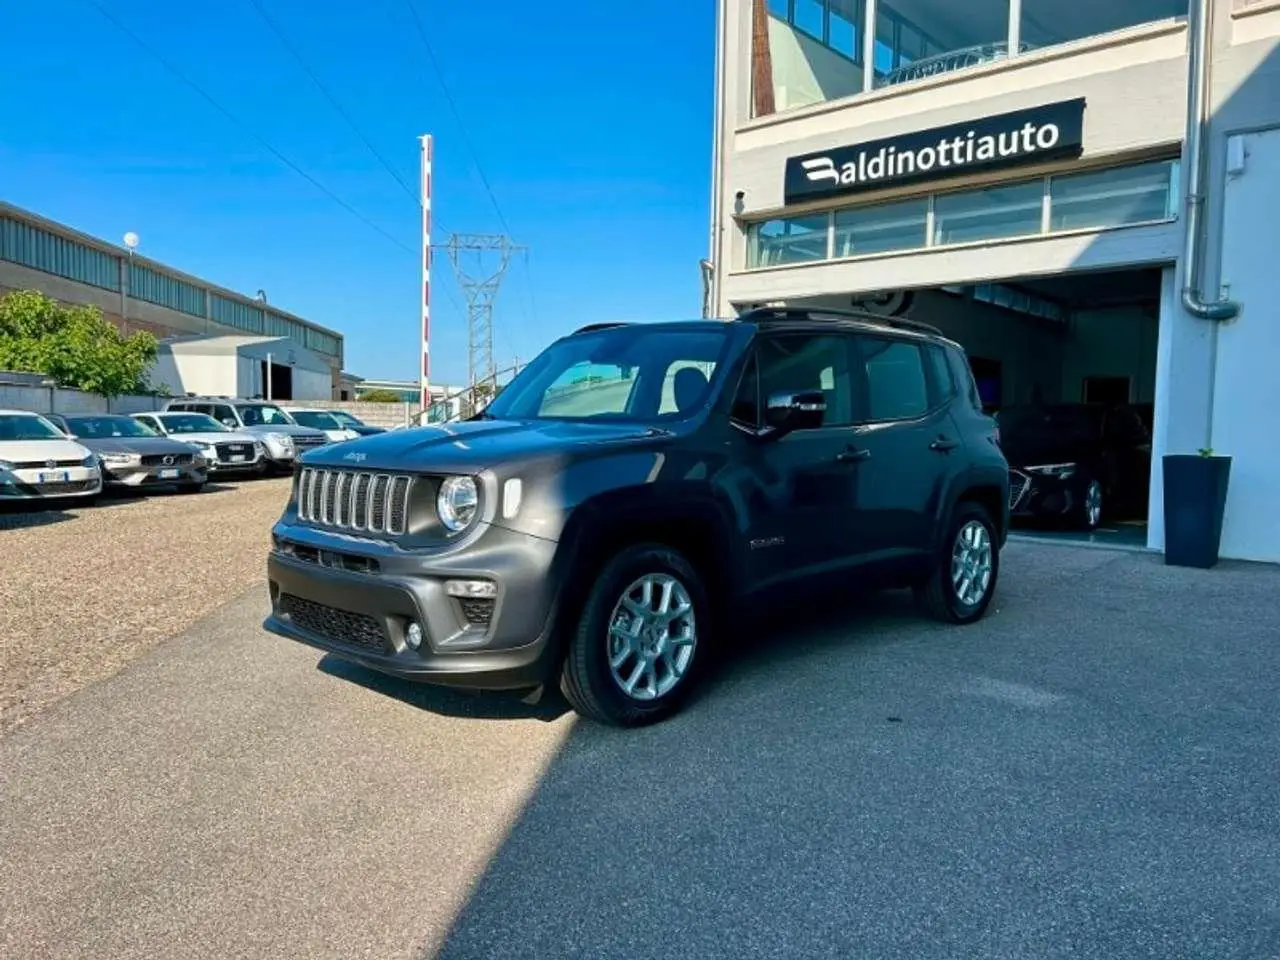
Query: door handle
(853, 455)
(943, 445)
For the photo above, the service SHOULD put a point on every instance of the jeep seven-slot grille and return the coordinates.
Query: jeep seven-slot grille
(354, 499)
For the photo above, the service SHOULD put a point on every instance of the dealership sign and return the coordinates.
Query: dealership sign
(1048, 132)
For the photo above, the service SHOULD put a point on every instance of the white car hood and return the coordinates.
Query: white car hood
(215, 437)
(24, 451)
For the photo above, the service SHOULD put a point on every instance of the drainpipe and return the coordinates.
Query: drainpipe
(1197, 122)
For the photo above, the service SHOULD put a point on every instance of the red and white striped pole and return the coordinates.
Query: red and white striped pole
(426, 277)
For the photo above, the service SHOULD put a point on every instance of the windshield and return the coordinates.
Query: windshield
(315, 418)
(98, 428)
(264, 414)
(27, 427)
(192, 423)
(628, 373)
(346, 419)
(1064, 422)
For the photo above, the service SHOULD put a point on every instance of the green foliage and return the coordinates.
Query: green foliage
(380, 395)
(74, 345)
(1206, 451)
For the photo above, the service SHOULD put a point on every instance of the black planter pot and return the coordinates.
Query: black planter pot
(1195, 496)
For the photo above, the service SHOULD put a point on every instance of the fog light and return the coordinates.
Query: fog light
(471, 588)
(413, 635)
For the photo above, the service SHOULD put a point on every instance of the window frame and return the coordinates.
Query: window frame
(752, 367)
(934, 401)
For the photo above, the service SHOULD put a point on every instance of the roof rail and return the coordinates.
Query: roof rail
(606, 325)
(768, 314)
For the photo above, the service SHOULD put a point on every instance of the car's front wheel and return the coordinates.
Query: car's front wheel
(639, 640)
(964, 576)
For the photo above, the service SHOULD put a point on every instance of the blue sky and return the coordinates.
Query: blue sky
(591, 121)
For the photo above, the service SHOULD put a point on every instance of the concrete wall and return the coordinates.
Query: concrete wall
(54, 400)
(1118, 342)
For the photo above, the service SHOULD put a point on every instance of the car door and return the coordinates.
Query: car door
(797, 490)
(911, 443)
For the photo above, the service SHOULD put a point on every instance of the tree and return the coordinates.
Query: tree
(74, 345)
(380, 395)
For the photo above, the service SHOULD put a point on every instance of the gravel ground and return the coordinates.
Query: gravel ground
(88, 589)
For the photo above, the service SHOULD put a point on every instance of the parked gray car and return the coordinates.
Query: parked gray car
(226, 451)
(133, 455)
(283, 439)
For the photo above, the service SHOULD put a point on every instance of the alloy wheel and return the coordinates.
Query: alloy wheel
(1093, 504)
(652, 637)
(972, 563)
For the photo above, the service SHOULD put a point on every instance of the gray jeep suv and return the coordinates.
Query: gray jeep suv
(595, 526)
(283, 440)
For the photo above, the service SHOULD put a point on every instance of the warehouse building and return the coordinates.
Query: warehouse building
(1018, 174)
(136, 293)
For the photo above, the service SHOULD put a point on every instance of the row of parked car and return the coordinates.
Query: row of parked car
(183, 446)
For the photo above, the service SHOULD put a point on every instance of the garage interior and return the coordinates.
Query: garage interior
(1037, 342)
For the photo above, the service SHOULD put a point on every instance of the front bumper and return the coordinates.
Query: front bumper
(1040, 497)
(58, 482)
(154, 476)
(355, 598)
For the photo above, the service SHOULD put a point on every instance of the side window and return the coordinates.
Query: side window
(897, 388)
(804, 363)
(224, 414)
(940, 379)
(964, 377)
(746, 401)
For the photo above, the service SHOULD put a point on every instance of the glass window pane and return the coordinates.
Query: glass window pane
(878, 229)
(1048, 22)
(896, 384)
(809, 17)
(988, 214)
(795, 363)
(923, 38)
(779, 8)
(1110, 198)
(843, 35)
(798, 240)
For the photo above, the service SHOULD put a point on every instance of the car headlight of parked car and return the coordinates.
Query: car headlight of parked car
(1059, 471)
(278, 442)
(92, 461)
(457, 503)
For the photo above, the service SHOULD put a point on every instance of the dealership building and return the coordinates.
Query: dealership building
(1084, 195)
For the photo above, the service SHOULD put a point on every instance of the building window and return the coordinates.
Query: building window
(1098, 199)
(811, 52)
(882, 228)
(922, 38)
(1110, 198)
(991, 213)
(797, 240)
(1049, 22)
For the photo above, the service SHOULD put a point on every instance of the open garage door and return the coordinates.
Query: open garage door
(1067, 364)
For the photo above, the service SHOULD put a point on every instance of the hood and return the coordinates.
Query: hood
(289, 429)
(1035, 449)
(240, 436)
(142, 446)
(472, 446)
(31, 451)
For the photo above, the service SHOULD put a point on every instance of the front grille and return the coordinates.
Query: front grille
(158, 459)
(60, 489)
(44, 464)
(354, 499)
(1018, 484)
(340, 626)
(309, 443)
(477, 610)
(228, 450)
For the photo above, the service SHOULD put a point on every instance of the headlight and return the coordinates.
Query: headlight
(90, 461)
(257, 449)
(457, 502)
(281, 440)
(116, 459)
(1059, 470)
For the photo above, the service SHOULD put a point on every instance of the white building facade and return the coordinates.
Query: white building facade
(1017, 173)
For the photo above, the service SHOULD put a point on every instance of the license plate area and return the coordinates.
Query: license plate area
(53, 476)
(170, 473)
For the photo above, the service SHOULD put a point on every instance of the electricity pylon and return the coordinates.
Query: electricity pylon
(480, 261)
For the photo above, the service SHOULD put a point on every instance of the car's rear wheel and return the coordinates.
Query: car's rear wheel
(639, 640)
(1088, 512)
(960, 587)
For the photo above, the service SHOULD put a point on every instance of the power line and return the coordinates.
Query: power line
(334, 101)
(457, 116)
(244, 127)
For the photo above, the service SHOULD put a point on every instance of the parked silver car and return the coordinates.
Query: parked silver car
(226, 451)
(133, 455)
(283, 439)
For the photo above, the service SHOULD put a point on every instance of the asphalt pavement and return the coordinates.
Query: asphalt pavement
(1090, 772)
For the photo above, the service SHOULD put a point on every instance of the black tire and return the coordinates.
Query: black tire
(938, 594)
(586, 679)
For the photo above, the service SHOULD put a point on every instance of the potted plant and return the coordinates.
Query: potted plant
(1195, 497)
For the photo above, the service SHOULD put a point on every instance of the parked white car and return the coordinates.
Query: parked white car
(37, 460)
(321, 420)
(225, 450)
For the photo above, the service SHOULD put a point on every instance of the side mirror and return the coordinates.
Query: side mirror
(790, 410)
